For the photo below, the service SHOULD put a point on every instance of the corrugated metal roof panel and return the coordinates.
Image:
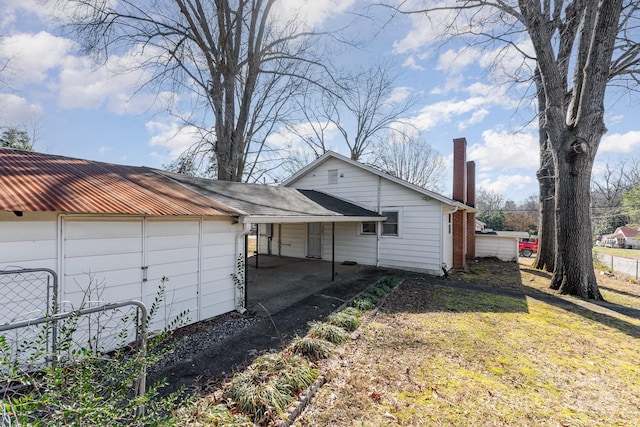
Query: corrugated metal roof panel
(36, 182)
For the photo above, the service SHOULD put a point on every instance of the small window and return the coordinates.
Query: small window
(333, 176)
(390, 226)
(368, 228)
(450, 216)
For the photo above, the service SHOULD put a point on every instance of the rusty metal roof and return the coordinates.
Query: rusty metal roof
(36, 182)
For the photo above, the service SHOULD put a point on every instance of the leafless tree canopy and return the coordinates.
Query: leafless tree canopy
(360, 107)
(236, 61)
(411, 159)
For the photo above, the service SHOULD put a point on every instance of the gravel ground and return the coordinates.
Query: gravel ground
(192, 339)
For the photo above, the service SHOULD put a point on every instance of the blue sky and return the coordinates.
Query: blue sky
(80, 109)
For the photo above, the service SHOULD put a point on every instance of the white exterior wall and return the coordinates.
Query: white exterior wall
(29, 241)
(419, 245)
(106, 255)
(501, 247)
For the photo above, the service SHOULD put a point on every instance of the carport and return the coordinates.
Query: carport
(267, 206)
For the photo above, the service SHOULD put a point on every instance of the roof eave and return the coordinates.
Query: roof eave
(274, 219)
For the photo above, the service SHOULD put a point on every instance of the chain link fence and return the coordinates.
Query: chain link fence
(627, 266)
(36, 334)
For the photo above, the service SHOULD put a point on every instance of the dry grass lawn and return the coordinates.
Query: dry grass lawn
(494, 347)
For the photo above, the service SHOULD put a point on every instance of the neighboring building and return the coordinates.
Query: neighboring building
(624, 237)
(499, 244)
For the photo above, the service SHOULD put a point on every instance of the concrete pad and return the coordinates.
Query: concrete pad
(279, 282)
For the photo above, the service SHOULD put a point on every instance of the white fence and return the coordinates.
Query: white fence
(630, 267)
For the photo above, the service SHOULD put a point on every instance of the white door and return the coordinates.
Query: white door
(314, 240)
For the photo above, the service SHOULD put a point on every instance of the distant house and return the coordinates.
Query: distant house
(422, 230)
(623, 237)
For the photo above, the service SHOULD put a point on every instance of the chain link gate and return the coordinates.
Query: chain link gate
(31, 315)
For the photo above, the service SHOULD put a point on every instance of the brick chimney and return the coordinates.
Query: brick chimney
(464, 191)
(460, 170)
(471, 216)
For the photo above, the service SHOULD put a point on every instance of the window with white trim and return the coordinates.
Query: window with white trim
(369, 227)
(391, 226)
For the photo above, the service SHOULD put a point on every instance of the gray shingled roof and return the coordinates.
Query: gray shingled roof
(275, 203)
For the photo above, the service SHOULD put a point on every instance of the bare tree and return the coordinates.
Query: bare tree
(358, 106)
(411, 159)
(574, 43)
(237, 60)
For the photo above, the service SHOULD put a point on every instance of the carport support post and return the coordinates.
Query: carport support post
(333, 251)
(246, 276)
(257, 243)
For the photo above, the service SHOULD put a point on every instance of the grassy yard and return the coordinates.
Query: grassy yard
(494, 347)
(625, 253)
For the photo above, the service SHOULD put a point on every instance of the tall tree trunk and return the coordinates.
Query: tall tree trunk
(546, 258)
(574, 273)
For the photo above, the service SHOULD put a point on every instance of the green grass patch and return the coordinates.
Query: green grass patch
(269, 385)
(326, 331)
(344, 320)
(474, 358)
(312, 348)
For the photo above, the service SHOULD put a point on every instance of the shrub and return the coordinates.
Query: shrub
(326, 331)
(312, 348)
(344, 320)
(270, 383)
(363, 304)
(352, 311)
(86, 386)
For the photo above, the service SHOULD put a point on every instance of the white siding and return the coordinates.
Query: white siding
(503, 248)
(172, 251)
(294, 240)
(29, 241)
(218, 264)
(196, 256)
(420, 243)
(102, 260)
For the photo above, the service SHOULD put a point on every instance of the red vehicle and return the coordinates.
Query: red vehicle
(527, 247)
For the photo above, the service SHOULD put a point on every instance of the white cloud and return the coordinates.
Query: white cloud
(312, 13)
(172, 136)
(15, 110)
(114, 85)
(410, 63)
(620, 143)
(477, 117)
(290, 137)
(457, 61)
(442, 112)
(503, 150)
(31, 56)
(398, 95)
(509, 185)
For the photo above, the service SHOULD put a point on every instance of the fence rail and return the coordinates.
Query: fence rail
(31, 318)
(627, 266)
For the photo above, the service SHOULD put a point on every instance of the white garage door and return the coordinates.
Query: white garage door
(109, 260)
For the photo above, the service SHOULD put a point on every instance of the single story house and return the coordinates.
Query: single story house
(123, 229)
(423, 231)
(111, 233)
